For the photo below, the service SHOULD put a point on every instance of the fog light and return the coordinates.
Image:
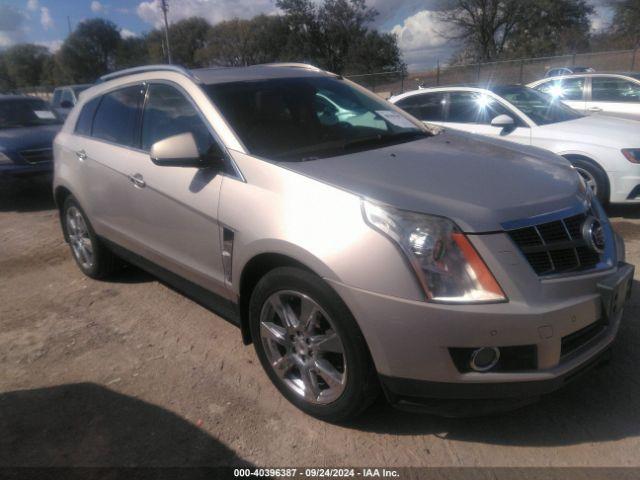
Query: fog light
(484, 359)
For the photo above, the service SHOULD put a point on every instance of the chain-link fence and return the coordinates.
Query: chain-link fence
(44, 93)
(509, 71)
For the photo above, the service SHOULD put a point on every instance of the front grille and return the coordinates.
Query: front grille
(40, 155)
(575, 340)
(556, 247)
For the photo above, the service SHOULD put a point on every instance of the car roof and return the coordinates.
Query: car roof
(217, 75)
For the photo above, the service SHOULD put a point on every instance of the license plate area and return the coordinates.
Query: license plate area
(615, 290)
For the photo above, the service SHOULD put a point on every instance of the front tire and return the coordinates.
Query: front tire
(310, 345)
(93, 258)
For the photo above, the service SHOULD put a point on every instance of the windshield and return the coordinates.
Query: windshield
(20, 112)
(305, 118)
(543, 109)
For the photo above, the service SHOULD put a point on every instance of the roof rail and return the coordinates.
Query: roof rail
(144, 69)
(305, 66)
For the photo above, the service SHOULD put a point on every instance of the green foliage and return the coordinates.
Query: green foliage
(186, 36)
(90, 51)
(25, 65)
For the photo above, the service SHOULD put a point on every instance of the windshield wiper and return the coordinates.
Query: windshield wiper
(382, 138)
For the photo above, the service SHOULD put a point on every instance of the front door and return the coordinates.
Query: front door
(177, 207)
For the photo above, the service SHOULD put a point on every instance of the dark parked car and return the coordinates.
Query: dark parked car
(27, 129)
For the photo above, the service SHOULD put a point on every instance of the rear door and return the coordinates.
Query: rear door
(474, 111)
(427, 107)
(177, 207)
(110, 156)
(616, 96)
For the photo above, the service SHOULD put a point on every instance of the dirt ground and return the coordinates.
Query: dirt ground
(129, 372)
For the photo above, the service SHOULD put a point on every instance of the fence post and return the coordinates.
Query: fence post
(633, 59)
(478, 72)
(402, 82)
(521, 72)
(573, 60)
(438, 73)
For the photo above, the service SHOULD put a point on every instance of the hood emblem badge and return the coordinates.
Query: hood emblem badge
(593, 234)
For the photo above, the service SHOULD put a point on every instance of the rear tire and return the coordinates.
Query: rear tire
(93, 258)
(594, 176)
(310, 345)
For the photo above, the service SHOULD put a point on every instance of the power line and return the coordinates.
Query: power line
(164, 5)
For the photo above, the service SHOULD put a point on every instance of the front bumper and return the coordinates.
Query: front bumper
(410, 341)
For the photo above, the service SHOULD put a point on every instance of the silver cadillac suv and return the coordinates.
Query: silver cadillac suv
(357, 249)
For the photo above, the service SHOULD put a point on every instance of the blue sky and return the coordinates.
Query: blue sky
(45, 21)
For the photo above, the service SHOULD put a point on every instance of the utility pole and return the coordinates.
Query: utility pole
(164, 5)
(69, 24)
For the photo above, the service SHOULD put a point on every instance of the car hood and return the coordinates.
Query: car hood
(597, 129)
(478, 182)
(16, 139)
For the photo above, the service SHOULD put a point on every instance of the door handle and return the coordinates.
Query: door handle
(594, 109)
(137, 180)
(82, 155)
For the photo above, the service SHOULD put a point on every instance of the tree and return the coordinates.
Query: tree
(187, 37)
(235, 43)
(6, 84)
(495, 29)
(551, 27)
(334, 35)
(25, 64)
(626, 22)
(484, 26)
(90, 51)
(132, 51)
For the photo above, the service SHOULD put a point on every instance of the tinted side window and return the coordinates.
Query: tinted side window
(425, 106)
(167, 113)
(85, 119)
(471, 107)
(117, 117)
(605, 89)
(567, 89)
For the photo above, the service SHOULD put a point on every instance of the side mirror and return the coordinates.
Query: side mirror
(503, 121)
(182, 151)
(66, 104)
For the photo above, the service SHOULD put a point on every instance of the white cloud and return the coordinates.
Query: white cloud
(52, 45)
(32, 5)
(126, 33)
(45, 18)
(97, 7)
(419, 32)
(213, 10)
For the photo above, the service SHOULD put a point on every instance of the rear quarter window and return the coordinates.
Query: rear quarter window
(85, 119)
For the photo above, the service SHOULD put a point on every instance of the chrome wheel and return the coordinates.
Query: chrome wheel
(79, 238)
(303, 347)
(588, 178)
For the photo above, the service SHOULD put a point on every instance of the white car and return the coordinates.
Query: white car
(604, 150)
(615, 94)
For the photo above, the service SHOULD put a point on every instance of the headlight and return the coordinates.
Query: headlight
(632, 154)
(447, 266)
(4, 159)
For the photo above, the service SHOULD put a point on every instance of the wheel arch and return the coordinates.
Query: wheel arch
(585, 158)
(256, 268)
(60, 195)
